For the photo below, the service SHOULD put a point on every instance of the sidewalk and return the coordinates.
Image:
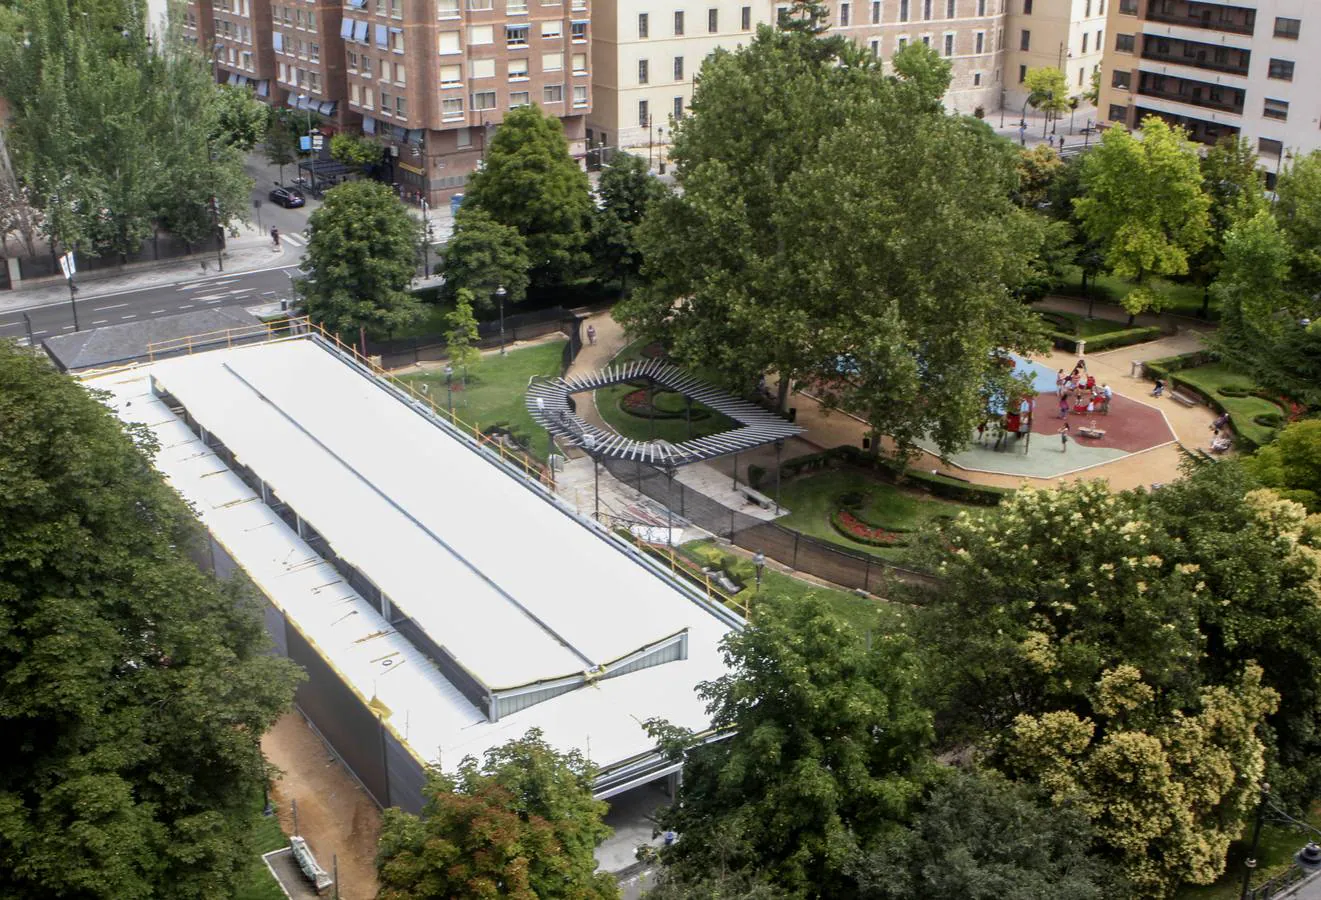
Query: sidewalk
(1032, 136)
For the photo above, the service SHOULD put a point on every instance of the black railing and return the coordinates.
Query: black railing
(1212, 24)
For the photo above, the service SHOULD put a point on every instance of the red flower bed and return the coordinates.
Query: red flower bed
(852, 527)
(638, 401)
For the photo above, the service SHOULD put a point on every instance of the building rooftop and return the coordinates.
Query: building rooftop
(475, 606)
(118, 344)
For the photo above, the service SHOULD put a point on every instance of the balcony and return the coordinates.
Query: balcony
(1198, 129)
(1191, 53)
(1211, 16)
(1194, 93)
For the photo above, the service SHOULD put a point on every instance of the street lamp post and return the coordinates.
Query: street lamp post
(1050, 102)
(449, 389)
(1308, 858)
(500, 293)
(759, 561)
(426, 239)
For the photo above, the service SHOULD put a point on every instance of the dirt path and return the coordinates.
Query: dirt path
(334, 813)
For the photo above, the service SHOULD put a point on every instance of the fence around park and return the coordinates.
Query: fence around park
(798, 551)
(159, 246)
(520, 327)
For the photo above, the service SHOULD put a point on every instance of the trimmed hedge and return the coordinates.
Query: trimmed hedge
(1168, 365)
(1127, 337)
(935, 483)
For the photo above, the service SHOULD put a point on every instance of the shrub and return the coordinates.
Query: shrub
(1125, 338)
(1237, 390)
(855, 529)
(940, 485)
(755, 475)
(1269, 420)
(1165, 366)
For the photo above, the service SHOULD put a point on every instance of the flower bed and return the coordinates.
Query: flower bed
(637, 403)
(853, 528)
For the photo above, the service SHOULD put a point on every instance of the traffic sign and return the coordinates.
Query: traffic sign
(68, 266)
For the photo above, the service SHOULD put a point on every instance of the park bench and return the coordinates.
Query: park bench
(755, 496)
(1089, 432)
(1184, 399)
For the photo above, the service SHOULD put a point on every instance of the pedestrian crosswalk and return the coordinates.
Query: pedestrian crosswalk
(293, 239)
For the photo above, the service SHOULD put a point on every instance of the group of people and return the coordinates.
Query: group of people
(1079, 392)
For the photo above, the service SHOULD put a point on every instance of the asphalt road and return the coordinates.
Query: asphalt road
(243, 289)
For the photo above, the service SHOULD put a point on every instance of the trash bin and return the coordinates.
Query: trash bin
(1135, 369)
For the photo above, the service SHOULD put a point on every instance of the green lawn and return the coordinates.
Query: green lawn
(1182, 299)
(495, 390)
(860, 612)
(812, 498)
(1275, 854)
(1079, 325)
(1211, 377)
(640, 428)
(257, 883)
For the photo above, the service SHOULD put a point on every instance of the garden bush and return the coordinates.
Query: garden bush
(1125, 338)
(848, 524)
(1269, 420)
(1237, 390)
(1167, 365)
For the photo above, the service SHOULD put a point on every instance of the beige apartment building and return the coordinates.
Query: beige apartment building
(1249, 68)
(1064, 34)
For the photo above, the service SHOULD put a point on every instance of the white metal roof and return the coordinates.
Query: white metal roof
(493, 571)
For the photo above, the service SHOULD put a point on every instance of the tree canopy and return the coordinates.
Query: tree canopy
(134, 688)
(626, 191)
(483, 254)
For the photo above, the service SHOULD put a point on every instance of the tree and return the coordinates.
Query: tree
(826, 750)
(672, 885)
(1298, 209)
(1048, 90)
(17, 215)
(133, 688)
(1037, 170)
(361, 257)
(926, 70)
(483, 254)
(355, 151)
(530, 183)
(461, 339)
(1143, 203)
(979, 836)
(281, 145)
(1231, 179)
(1291, 464)
(1254, 286)
(522, 824)
(626, 191)
(1093, 93)
(241, 119)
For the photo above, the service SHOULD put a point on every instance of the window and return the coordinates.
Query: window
(483, 100)
(1099, 32)
(1027, 7)
(981, 41)
(1087, 10)
(678, 21)
(580, 95)
(876, 12)
(949, 45)
(876, 49)
(396, 9)
(578, 32)
(397, 40)
(903, 10)
(480, 4)
(644, 113)
(746, 18)
(1269, 147)
(481, 68)
(515, 35)
(385, 70)
(926, 40)
(462, 136)
(447, 9)
(447, 42)
(451, 107)
(552, 62)
(678, 68)
(517, 69)
(484, 34)
(519, 98)
(712, 21)
(642, 25)
(976, 79)
(981, 7)
(353, 61)
(246, 59)
(552, 93)
(1287, 28)
(1121, 79)
(516, 7)
(1128, 7)
(1276, 109)
(902, 42)
(643, 71)
(579, 63)
(552, 30)
(1022, 74)
(401, 107)
(1124, 43)
(926, 9)
(355, 92)
(678, 108)
(843, 15)
(1281, 69)
(949, 9)
(368, 98)
(1085, 35)
(1118, 113)
(450, 76)
(1025, 40)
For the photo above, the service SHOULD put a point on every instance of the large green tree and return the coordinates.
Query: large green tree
(361, 257)
(626, 190)
(529, 182)
(1291, 464)
(134, 688)
(484, 254)
(826, 751)
(241, 119)
(1299, 210)
(1234, 184)
(1144, 203)
(521, 824)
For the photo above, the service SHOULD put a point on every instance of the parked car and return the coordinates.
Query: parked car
(288, 197)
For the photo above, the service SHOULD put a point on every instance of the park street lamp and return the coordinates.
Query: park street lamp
(759, 561)
(500, 294)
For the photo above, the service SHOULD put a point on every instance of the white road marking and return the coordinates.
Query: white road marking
(101, 322)
(112, 306)
(130, 316)
(68, 328)
(157, 312)
(217, 300)
(186, 306)
(209, 298)
(35, 333)
(297, 242)
(206, 284)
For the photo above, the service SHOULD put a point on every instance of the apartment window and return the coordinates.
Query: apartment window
(1080, 76)
(876, 49)
(1128, 7)
(483, 100)
(580, 95)
(552, 30)
(1085, 36)
(843, 15)
(552, 62)
(712, 21)
(396, 9)
(447, 9)
(949, 9)
(643, 71)
(746, 18)
(876, 12)
(902, 42)
(1121, 79)
(397, 40)
(926, 9)
(517, 69)
(926, 40)
(481, 68)
(949, 45)
(246, 59)
(516, 7)
(903, 10)
(451, 107)
(1099, 33)
(981, 41)
(1022, 74)
(368, 98)
(484, 34)
(1276, 109)
(1087, 10)
(678, 108)
(1269, 147)
(644, 113)
(1118, 113)
(401, 107)
(643, 25)
(478, 5)
(678, 21)
(1281, 69)
(579, 63)
(1287, 28)
(515, 35)
(519, 98)
(578, 32)
(450, 76)
(1027, 7)
(462, 136)
(552, 93)
(981, 7)
(976, 79)
(1025, 40)
(355, 92)
(400, 76)
(1124, 43)
(678, 68)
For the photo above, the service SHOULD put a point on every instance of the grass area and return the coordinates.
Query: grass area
(1211, 377)
(860, 612)
(257, 882)
(641, 428)
(1181, 299)
(495, 390)
(1274, 855)
(1079, 325)
(812, 498)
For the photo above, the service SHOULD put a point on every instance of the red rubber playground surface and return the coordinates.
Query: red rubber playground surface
(1131, 426)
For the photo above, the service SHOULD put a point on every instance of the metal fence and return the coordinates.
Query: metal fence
(157, 247)
(520, 327)
(838, 565)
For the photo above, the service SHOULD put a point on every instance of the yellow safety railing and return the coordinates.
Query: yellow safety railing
(301, 326)
(680, 564)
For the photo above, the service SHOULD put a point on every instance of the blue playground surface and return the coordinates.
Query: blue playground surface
(1043, 377)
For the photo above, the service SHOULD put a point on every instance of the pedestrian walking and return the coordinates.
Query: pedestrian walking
(275, 237)
(1064, 406)
(1064, 438)
(1059, 382)
(1061, 144)
(1051, 141)
(591, 335)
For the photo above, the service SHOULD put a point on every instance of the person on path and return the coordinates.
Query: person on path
(591, 335)
(1064, 406)
(1059, 382)
(1064, 438)
(1051, 140)
(275, 237)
